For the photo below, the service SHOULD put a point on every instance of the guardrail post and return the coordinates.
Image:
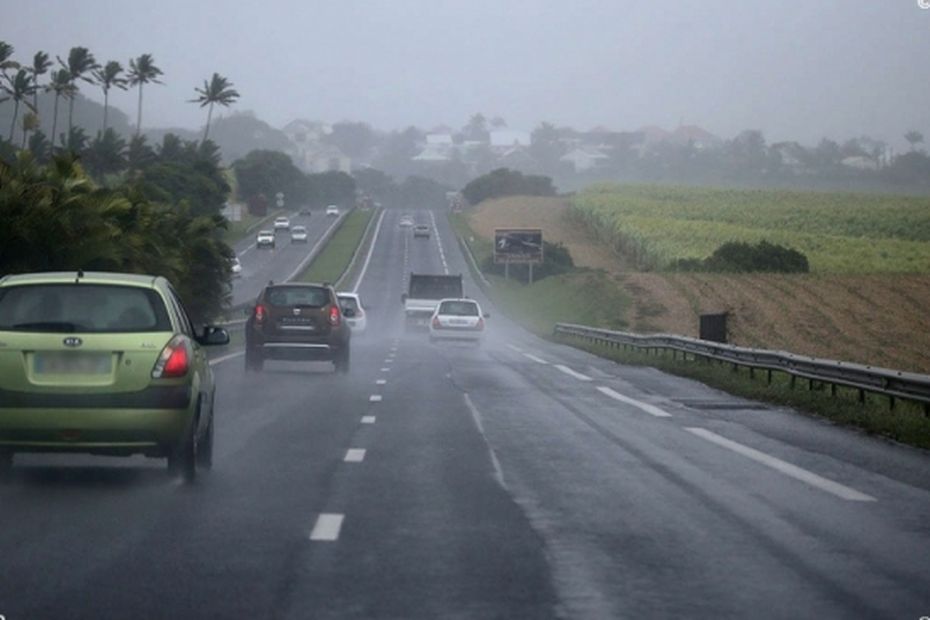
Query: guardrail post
(752, 372)
(793, 381)
(861, 396)
(833, 390)
(769, 378)
(891, 403)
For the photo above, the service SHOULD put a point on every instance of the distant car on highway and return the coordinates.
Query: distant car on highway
(332, 210)
(457, 319)
(265, 239)
(298, 321)
(421, 230)
(104, 363)
(353, 303)
(299, 234)
(282, 223)
(406, 221)
(305, 210)
(235, 266)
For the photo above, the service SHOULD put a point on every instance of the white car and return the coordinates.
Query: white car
(235, 266)
(421, 230)
(282, 223)
(457, 319)
(299, 234)
(332, 210)
(353, 311)
(406, 221)
(265, 238)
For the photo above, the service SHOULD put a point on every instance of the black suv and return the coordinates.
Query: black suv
(297, 321)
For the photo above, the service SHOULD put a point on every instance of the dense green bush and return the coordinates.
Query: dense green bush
(738, 256)
(556, 260)
(506, 182)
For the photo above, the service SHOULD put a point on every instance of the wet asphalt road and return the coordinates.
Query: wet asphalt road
(521, 479)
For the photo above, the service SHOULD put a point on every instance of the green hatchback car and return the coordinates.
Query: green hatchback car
(104, 363)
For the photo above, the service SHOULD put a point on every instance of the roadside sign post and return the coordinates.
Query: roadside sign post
(520, 246)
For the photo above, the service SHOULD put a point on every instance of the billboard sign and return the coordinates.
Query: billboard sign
(518, 246)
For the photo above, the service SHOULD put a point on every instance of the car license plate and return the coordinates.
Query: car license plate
(458, 322)
(52, 363)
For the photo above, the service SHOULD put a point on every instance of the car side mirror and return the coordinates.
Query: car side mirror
(213, 335)
(348, 313)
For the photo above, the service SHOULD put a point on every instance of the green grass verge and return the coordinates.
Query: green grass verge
(335, 257)
(591, 298)
(906, 422)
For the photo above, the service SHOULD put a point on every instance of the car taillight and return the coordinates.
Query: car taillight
(480, 323)
(174, 361)
(260, 313)
(334, 316)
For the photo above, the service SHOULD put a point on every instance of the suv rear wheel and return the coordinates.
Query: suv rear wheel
(253, 360)
(183, 460)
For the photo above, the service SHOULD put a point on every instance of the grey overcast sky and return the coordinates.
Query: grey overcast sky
(796, 69)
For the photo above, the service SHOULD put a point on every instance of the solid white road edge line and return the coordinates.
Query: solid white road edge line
(793, 471)
(355, 455)
(568, 371)
(476, 416)
(515, 348)
(222, 359)
(442, 254)
(327, 527)
(538, 360)
(368, 419)
(371, 250)
(650, 409)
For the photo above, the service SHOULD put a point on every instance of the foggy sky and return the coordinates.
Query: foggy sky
(796, 69)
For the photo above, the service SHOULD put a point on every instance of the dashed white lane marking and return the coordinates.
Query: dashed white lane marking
(385, 370)
(380, 381)
(389, 361)
(568, 371)
(355, 455)
(368, 419)
(442, 254)
(793, 471)
(476, 416)
(538, 360)
(650, 409)
(222, 359)
(371, 251)
(327, 527)
(515, 348)
(374, 398)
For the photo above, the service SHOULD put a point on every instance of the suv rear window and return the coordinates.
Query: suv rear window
(458, 308)
(82, 308)
(312, 296)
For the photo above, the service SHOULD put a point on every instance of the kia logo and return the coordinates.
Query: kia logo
(72, 341)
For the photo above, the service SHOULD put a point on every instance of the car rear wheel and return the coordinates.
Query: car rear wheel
(183, 460)
(342, 362)
(205, 449)
(253, 360)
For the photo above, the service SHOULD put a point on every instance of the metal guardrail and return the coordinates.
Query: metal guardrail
(867, 379)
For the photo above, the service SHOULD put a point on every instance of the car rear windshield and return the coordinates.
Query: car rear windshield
(458, 308)
(312, 296)
(299, 229)
(348, 302)
(82, 308)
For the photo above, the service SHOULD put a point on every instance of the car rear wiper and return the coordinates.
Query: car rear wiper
(47, 326)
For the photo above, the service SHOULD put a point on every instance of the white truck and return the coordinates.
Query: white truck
(423, 294)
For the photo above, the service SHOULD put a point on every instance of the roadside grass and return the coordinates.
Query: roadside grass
(905, 423)
(333, 260)
(593, 298)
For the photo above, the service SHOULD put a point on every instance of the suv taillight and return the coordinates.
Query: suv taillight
(334, 315)
(260, 313)
(174, 361)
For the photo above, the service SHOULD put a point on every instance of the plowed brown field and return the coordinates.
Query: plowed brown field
(878, 319)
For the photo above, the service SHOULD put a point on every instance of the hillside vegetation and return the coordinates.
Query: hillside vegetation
(871, 318)
(839, 233)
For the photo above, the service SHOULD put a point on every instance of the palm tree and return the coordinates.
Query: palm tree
(914, 138)
(6, 53)
(30, 122)
(142, 70)
(107, 77)
(80, 63)
(18, 87)
(60, 84)
(218, 90)
(40, 66)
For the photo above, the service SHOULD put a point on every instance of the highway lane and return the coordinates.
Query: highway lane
(522, 479)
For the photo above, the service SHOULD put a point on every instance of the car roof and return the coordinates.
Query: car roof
(281, 217)
(88, 277)
(300, 227)
(265, 232)
(352, 295)
(442, 301)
